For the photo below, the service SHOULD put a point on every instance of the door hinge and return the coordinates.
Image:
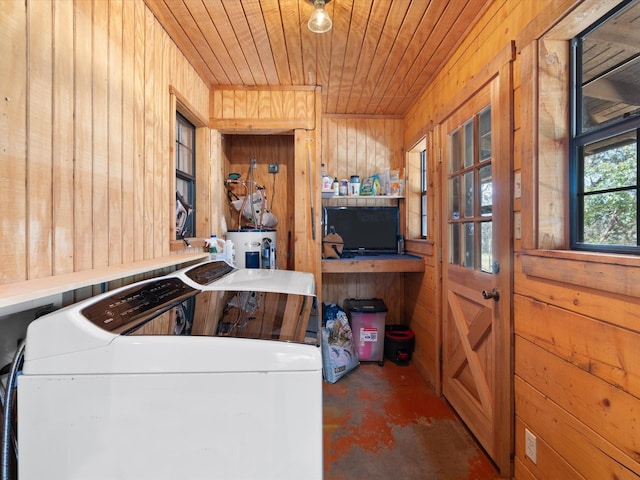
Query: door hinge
(440, 254)
(440, 155)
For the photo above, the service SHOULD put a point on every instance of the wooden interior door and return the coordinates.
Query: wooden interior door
(477, 280)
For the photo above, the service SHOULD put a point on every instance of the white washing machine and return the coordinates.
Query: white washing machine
(202, 374)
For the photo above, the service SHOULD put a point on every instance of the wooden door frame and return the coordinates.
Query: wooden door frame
(501, 68)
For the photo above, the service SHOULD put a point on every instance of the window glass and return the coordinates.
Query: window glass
(423, 194)
(609, 206)
(471, 193)
(604, 150)
(484, 129)
(610, 70)
(185, 178)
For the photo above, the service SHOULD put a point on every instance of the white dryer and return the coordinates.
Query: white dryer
(202, 374)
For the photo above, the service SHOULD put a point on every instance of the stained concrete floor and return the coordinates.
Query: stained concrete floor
(386, 423)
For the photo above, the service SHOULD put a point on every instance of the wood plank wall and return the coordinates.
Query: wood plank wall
(361, 145)
(576, 355)
(84, 135)
(576, 317)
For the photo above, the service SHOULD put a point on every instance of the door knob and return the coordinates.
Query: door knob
(492, 294)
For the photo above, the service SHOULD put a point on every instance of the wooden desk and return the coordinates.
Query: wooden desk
(374, 264)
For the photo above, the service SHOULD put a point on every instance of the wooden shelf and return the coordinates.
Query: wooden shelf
(374, 264)
(362, 197)
(20, 292)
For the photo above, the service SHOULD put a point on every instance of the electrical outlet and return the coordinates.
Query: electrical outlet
(530, 446)
(517, 185)
(273, 168)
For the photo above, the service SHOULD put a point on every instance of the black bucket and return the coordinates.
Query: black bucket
(399, 342)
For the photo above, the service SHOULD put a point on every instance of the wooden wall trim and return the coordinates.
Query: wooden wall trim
(187, 109)
(360, 116)
(529, 145)
(607, 273)
(234, 109)
(260, 88)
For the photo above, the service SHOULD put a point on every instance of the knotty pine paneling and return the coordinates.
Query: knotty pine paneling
(353, 145)
(242, 109)
(84, 136)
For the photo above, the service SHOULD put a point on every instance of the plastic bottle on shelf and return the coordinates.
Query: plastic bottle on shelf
(213, 247)
(326, 179)
(335, 186)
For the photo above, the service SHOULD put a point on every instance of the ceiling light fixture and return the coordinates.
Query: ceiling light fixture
(319, 21)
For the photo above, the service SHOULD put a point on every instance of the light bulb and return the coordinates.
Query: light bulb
(319, 22)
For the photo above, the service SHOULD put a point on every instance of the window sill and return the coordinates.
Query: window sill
(419, 246)
(619, 274)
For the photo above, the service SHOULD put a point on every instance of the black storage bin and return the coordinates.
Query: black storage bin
(399, 342)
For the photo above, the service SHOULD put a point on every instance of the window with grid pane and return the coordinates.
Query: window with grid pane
(604, 138)
(423, 195)
(185, 177)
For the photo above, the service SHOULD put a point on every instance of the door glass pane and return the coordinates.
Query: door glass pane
(454, 243)
(486, 247)
(484, 129)
(423, 223)
(454, 197)
(454, 159)
(468, 143)
(486, 191)
(468, 245)
(467, 179)
(470, 198)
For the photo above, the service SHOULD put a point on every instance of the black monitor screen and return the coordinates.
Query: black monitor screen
(364, 229)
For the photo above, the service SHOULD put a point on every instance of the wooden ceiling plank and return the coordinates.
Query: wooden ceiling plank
(258, 30)
(309, 46)
(400, 51)
(378, 57)
(291, 26)
(449, 32)
(206, 67)
(324, 46)
(355, 41)
(375, 24)
(397, 12)
(201, 22)
(342, 12)
(275, 33)
(422, 26)
(231, 24)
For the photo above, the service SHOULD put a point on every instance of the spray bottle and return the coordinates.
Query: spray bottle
(212, 244)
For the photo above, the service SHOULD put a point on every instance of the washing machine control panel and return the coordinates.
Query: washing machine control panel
(127, 309)
(207, 273)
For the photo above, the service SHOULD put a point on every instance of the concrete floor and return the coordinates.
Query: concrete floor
(387, 423)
